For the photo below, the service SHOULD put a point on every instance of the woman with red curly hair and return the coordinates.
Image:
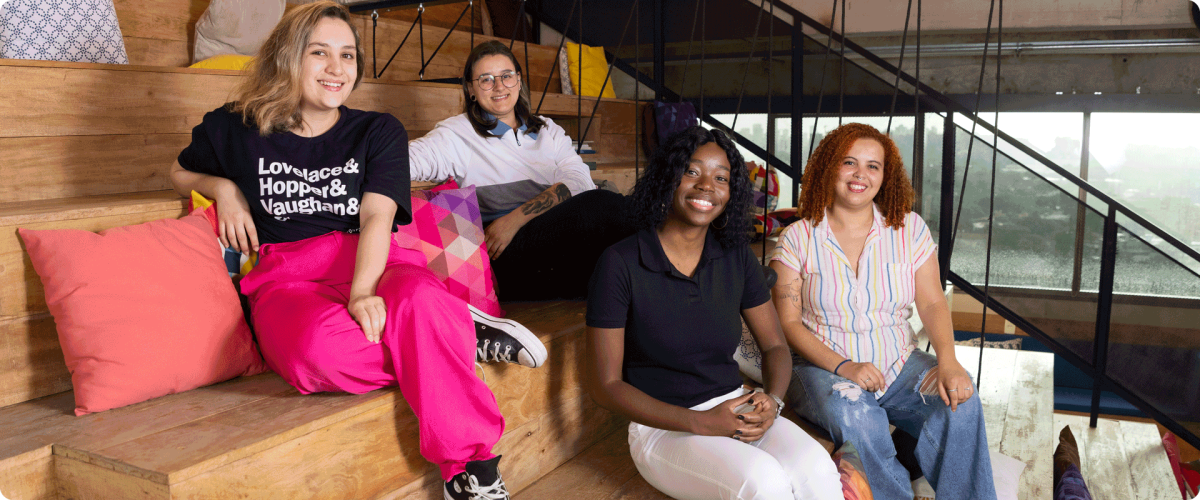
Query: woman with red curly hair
(849, 271)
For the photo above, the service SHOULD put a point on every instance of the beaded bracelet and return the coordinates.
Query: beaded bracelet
(844, 361)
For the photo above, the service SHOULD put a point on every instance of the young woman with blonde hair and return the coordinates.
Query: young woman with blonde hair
(317, 188)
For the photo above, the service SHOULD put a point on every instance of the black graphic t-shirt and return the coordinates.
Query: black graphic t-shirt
(301, 187)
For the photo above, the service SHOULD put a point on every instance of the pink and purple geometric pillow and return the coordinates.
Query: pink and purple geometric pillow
(448, 229)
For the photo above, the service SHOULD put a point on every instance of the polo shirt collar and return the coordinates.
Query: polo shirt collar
(652, 256)
(502, 128)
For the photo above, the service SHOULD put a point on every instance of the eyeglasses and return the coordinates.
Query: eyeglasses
(509, 78)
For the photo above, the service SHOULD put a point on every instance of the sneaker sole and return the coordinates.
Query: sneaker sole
(532, 344)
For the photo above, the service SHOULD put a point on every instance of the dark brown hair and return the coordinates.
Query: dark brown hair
(895, 196)
(475, 113)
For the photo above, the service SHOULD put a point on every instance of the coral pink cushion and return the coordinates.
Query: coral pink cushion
(448, 229)
(142, 311)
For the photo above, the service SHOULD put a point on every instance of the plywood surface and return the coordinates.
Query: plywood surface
(1121, 459)
(603, 471)
(1017, 394)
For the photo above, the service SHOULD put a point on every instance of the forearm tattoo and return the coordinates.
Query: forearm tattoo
(546, 200)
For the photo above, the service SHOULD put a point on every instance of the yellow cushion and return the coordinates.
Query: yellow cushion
(595, 67)
(224, 61)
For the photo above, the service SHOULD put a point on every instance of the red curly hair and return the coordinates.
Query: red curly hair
(895, 196)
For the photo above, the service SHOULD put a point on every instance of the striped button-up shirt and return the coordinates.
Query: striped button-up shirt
(863, 318)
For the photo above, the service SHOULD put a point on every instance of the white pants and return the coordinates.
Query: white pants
(786, 463)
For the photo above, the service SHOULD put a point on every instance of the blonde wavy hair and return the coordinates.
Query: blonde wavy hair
(269, 97)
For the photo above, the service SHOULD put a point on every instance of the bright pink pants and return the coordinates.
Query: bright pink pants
(298, 294)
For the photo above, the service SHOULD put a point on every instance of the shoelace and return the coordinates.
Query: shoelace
(495, 352)
(494, 491)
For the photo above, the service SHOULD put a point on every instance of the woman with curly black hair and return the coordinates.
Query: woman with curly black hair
(664, 318)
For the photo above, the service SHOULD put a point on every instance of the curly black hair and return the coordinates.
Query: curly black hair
(653, 193)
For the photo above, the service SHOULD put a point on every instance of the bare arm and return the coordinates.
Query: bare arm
(777, 358)
(501, 232)
(788, 300)
(776, 366)
(954, 384)
(235, 223)
(375, 219)
(606, 351)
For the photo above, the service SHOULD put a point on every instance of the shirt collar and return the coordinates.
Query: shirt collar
(653, 257)
(878, 223)
(502, 128)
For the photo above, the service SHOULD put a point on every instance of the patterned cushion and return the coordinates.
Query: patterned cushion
(854, 477)
(447, 228)
(673, 117)
(61, 30)
(747, 355)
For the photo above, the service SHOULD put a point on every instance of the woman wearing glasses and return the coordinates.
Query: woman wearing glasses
(545, 222)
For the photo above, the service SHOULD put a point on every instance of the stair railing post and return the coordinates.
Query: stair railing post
(660, 58)
(946, 219)
(1108, 264)
(797, 109)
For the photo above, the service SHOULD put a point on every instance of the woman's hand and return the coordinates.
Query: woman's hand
(954, 384)
(866, 375)
(722, 420)
(760, 419)
(501, 232)
(370, 313)
(234, 220)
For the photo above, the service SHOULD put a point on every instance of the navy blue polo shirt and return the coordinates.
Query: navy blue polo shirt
(680, 332)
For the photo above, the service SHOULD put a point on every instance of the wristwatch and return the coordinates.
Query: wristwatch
(778, 404)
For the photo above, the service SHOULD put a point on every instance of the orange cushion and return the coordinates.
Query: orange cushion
(142, 311)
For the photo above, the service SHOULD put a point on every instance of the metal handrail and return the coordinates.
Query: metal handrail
(955, 106)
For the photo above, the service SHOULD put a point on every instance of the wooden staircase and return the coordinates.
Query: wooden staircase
(88, 146)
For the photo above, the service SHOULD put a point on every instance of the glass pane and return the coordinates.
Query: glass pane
(931, 181)
(1153, 348)
(1057, 136)
(1151, 163)
(1143, 269)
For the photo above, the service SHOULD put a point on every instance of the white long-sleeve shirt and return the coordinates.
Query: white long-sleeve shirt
(506, 169)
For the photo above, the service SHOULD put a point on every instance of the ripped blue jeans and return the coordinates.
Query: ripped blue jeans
(952, 447)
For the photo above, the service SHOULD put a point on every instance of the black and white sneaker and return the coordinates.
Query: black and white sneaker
(481, 481)
(498, 339)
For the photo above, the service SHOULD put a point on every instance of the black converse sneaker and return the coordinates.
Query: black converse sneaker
(481, 481)
(498, 339)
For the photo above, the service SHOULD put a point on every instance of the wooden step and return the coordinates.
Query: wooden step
(94, 129)
(256, 437)
(605, 471)
(162, 32)
(1121, 459)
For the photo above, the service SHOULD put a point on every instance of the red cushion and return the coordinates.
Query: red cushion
(142, 311)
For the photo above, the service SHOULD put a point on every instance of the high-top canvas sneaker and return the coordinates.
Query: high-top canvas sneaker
(498, 339)
(481, 481)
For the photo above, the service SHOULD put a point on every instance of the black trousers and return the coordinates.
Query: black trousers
(552, 256)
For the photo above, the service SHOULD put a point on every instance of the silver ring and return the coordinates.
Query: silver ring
(952, 390)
